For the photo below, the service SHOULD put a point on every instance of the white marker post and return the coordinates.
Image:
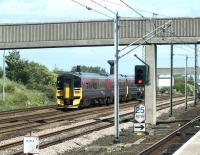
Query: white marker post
(140, 116)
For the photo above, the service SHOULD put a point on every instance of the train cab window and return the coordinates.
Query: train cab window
(59, 82)
(77, 83)
(67, 84)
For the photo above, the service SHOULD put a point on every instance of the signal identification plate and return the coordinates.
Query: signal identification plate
(140, 113)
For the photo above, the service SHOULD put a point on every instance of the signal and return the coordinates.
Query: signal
(141, 75)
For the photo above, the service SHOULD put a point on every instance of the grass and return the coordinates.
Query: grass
(17, 96)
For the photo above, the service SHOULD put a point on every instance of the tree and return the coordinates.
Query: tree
(1, 72)
(16, 67)
(179, 84)
(190, 80)
(41, 79)
(90, 69)
(31, 74)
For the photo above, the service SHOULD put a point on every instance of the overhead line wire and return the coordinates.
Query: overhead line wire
(114, 3)
(139, 44)
(189, 46)
(132, 8)
(90, 8)
(103, 6)
(146, 38)
(147, 11)
(154, 14)
(147, 35)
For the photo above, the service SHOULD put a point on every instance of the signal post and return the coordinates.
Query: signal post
(141, 79)
(146, 77)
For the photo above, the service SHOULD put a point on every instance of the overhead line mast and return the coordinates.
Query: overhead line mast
(116, 83)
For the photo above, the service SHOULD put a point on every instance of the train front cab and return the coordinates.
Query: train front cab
(69, 91)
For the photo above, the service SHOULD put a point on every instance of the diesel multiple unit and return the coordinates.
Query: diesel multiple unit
(77, 89)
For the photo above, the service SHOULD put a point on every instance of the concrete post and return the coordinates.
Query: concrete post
(171, 80)
(195, 75)
(186, 63)
(150, 90)
(4, 75)
(116, 80)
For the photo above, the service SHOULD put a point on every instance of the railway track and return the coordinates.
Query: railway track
(175, 139)
(10, 129)
(61, 117)
(32, 109)
(20, 115)
(166, 105)
(15, 111)
(33, 121)
(72, 132)
(2, 147)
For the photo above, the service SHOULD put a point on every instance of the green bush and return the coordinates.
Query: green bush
(18, 96)
(179, 86)
(48, 90)
(164, 90)
(190, 89)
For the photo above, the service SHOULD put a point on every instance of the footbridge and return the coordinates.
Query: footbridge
(97, 33)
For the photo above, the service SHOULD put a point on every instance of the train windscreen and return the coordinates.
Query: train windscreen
(72, 82)
(77, 83)
(59, 83)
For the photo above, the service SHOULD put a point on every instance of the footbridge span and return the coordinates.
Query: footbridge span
(96, 33)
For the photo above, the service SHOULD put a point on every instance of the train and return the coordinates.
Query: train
(78, 89)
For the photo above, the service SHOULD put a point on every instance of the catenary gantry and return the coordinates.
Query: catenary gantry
(96, 33)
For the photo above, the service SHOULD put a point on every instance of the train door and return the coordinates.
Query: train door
(77, 88)
(77, 83)
(68, 85)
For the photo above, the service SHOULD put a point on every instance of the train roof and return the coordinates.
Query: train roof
(96, 75)
(84, 74)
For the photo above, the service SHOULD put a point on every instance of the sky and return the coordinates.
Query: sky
(23, 11)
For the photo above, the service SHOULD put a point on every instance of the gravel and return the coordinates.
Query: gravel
(44, 132)
(131, 143)
(81, 141)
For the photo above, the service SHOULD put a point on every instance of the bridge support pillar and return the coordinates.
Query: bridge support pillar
(150, 90)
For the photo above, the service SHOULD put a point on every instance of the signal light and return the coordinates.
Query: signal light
(141, 75)
(140, 82)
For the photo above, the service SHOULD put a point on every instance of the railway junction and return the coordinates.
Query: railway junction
(164, 124)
